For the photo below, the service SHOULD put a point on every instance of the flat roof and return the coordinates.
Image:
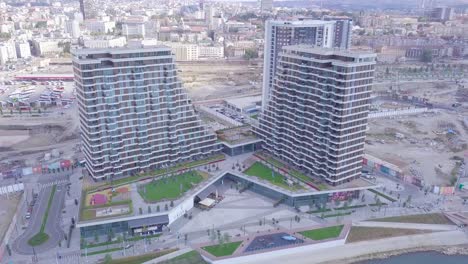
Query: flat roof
(331, 51)
(243, 102)
(297, 23)
(120, 50)
(154, 220)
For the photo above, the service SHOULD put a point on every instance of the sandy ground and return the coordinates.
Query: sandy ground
(7, 210)
(420, 149)
(28, 138)
(210, 80)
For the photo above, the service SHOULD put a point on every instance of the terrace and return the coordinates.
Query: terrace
(148, 194)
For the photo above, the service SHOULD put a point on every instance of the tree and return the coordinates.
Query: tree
(96, 237)
(157, 208)
(172, 203)
(166, 207)
(212, 237)
(426, 56)
(227, 237)
(149, 209)
(408, 200)
(107, 259)
(251, 54)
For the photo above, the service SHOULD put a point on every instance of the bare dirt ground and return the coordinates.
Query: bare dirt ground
(420, 144)
(7, 210)
(213, 80)
(28, 138)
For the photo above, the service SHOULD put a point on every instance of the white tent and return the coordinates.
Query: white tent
(208, 202)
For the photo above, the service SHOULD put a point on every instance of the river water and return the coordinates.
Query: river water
(420, 258)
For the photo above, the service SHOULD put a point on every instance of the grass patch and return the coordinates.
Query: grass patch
(107, 243)
(222, 250)
(294, 173)
(323, 233)
(337, 214)
(38, 239)
(319, 211)
(103, 251)
(383, 195)
(41, 237)
(262, 171)
(181, 166)
(362, 233)
(88, 212)
(350, 207)
(170, 188)
(142, 258)
(435, 218)
(192, 257)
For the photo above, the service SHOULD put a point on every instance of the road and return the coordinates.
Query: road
(52, 227)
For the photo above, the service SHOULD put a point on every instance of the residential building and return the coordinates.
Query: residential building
(184, 52)
(105, 42)
(134, 29)
(442, 14)
(7, 52)
(316, 117)
(266, 5)
(98, 26)
(343, 31)
(134, 113)
(285, 33)
(211, 52)
(23, 50)
(45, 47)
(72, 27)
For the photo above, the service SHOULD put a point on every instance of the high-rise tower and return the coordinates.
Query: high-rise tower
(134, 113)
(316, 117)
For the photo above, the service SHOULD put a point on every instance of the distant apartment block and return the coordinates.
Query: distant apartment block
(72, 27)
(7, 52)
(342, 32)
(284, 33)
(98, 26)
(316, 117)
(105, 42)
(266, 5)
(134, 113)
(442, 14)
(23, 50)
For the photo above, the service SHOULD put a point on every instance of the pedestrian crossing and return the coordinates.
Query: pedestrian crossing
(70, 258)
(52, 183)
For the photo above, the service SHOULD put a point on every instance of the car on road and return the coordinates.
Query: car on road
(128, 246)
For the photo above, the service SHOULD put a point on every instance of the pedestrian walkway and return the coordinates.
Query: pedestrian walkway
(407, 225)
(56, 182)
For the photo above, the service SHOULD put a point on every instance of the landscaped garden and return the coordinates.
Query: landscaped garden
(41, 237)
(293, 172)
(160, 172)
(96, 204)
(221, 250)
(262, 171)
(170, 188)
(323, 233)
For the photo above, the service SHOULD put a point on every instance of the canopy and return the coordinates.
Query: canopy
(208, 202)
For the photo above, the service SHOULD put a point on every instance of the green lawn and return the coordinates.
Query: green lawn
(185, 165)
(142, 258)
(433, 218)
(41, 237)
(383, 195)
(191, 257)
(38, 239)
(171, 187)
(262, 171)
(222, 250)
(323, 233)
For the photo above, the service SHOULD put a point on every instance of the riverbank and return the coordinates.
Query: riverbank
(382, 248)
(451, 251)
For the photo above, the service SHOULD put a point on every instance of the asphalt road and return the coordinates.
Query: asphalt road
(52, 227)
